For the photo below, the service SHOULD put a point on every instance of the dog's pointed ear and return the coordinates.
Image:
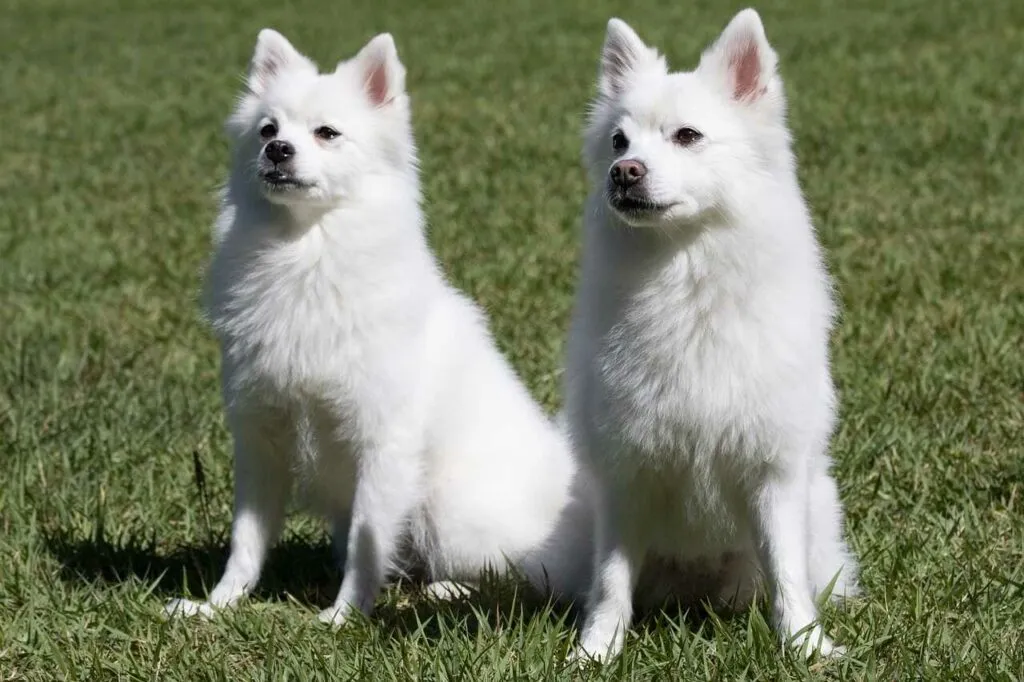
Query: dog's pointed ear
(623, 54)
(741, 59)
(382, 71)
(273, 56)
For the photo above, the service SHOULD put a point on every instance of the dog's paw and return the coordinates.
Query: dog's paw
(447, 590)
(815, 643)
(596, 649)
(582, 655)
(335, 616)
(186, 608)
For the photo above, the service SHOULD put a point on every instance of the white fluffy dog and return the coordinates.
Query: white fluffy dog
(698, 369)
(352, 371)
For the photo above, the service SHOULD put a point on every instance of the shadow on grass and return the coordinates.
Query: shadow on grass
(494, 604)
(306, 572)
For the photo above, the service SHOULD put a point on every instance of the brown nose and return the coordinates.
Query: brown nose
(627, 173)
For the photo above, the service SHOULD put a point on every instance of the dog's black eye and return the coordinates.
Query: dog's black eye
(326, 133)
(269, 130)
(687, 136)
(620, 142)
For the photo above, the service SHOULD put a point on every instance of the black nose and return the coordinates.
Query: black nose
(279, 151)
(627, 173)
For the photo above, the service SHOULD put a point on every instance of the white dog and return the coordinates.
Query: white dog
(698, 369)
(352, 371)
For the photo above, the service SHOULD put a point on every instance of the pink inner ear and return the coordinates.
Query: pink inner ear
(377, 84)
(745, 66)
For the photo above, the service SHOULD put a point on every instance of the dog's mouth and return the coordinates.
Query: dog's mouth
(278, 179)
(634, 207)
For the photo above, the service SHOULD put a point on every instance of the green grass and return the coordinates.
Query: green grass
(908, 119)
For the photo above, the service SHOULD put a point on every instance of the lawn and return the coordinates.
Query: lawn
(115, 483)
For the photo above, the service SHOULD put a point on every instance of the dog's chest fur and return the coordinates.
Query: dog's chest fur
(701, 365)
(323, 331)
(685, 359)
(303, 319)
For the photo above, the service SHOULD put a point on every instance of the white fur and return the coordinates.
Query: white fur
(354, 374)
(698, 371)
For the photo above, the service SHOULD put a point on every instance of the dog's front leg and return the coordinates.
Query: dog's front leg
(778, 515)
(618, 559)
(262, 483)
(387, 490)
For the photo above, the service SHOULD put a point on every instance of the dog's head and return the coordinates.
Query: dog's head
(312, 139)
(673, 149)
